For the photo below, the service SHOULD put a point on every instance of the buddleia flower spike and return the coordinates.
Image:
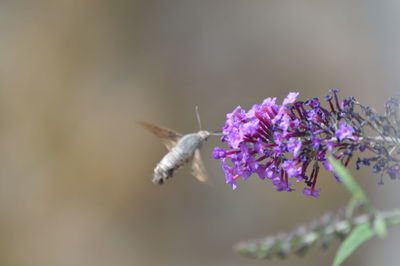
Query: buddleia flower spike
(288, 143)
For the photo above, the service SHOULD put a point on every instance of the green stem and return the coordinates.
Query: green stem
(300, 241)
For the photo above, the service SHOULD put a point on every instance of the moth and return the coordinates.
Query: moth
(182, 149)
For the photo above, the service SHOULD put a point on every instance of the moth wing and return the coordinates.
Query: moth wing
(198, 169)
(168, 136)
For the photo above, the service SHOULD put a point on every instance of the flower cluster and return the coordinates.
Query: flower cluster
(288, 142)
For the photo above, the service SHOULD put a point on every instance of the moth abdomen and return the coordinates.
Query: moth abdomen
(160, 175)
(168, 164)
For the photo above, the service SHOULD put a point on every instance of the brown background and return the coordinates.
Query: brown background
(75, 168)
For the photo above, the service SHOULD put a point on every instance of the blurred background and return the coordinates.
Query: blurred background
(76, 76)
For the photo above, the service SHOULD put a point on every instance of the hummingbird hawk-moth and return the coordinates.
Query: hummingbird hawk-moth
(182, 149)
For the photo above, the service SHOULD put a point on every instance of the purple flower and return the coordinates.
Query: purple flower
(291, 98)
(294, 146)
(344, 131)
(232, 131)
(291, 169)
(282, 186)
(394, 172)
(218, 153)
(230, 178)
(281, 142)
(329, 145)
(310, 192)
(316, 142)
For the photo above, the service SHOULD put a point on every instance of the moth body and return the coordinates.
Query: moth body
(182, 149)
(181, 153)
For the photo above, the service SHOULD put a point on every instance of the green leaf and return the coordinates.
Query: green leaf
(358, 236)
(380, 226)
(349, 182)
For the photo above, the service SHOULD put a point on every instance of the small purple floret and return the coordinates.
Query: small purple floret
(218, 153)
(344, 131)
(309, 192)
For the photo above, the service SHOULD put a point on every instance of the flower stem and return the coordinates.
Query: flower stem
(319, 232)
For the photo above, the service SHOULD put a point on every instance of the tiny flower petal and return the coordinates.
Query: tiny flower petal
(291, 168)
(309, 192)
(344, 131)
(218, 153)
(291, 98)
(294, 146)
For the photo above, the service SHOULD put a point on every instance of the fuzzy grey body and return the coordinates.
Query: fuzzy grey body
(180, 154)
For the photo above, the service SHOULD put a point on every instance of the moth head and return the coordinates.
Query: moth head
(203, 134)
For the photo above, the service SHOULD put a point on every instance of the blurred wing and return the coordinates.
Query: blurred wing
(168, 136)
(198, 169)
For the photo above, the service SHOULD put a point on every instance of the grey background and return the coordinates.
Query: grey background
(75, 168)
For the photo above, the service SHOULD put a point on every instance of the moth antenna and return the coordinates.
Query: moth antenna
(198, 116)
